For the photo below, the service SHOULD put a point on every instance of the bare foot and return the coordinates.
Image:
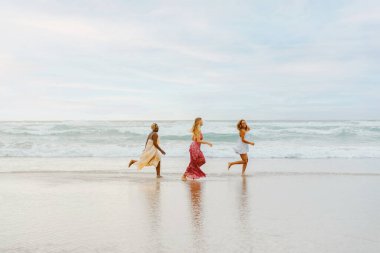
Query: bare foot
(159, 176)
(131, 162)
(229, 166)
(184, 178)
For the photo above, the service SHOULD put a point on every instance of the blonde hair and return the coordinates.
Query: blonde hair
(195, 128)
(240, 127)
(153, 126)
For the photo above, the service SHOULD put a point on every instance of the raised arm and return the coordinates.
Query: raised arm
(154, 138)
(242, 136)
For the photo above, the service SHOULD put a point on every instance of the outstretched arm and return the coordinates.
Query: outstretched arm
(154, 138)
(197, 138)
(242, 136)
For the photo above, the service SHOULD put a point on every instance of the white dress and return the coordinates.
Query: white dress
(241, 147)
(151, 156)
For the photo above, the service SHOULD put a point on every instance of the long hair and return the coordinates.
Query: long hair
(240, 127)
(195, 128)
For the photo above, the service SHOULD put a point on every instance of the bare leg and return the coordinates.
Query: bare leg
(237, 162)
(234, 163)
(158, 170)
(244, 157)
(131, 162)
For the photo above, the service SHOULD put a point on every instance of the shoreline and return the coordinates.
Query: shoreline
(173, 165)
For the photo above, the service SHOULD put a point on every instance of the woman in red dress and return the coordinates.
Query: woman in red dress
(197, 158)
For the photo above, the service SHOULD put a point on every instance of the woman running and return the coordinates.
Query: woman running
(151, 155)
(197, 158)
(242, 147)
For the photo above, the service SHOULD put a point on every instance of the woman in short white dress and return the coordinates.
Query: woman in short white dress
(242, 147)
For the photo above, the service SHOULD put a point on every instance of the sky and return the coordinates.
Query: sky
(160, 60)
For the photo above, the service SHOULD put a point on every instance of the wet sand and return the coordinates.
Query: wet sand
(280, 206)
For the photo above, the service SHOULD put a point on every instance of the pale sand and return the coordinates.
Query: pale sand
(280, 206)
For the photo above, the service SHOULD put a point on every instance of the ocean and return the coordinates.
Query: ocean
(274, 139)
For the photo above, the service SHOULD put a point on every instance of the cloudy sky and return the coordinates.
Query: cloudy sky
(121, 59)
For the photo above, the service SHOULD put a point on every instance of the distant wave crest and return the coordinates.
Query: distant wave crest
(274, 139)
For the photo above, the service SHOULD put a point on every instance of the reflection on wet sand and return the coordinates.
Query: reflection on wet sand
(244, 216)
(196, 215)
(152, 193)
(244, 207)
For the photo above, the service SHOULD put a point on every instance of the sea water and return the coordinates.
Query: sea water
(273, 139)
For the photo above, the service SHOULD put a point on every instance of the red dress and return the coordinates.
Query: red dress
(197, 159)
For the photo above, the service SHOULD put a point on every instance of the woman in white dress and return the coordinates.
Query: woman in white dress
(242, 147)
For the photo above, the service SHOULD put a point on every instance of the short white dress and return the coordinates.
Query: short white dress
(241, 147)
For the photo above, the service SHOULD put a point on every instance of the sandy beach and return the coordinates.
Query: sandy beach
(278, 207)
(288, 90)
